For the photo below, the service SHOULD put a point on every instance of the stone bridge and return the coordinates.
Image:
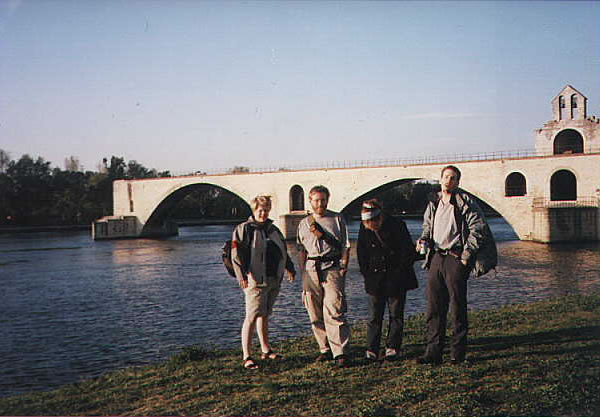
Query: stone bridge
(550, 194)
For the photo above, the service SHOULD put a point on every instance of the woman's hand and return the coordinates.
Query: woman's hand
(243, 283)
(291, 276)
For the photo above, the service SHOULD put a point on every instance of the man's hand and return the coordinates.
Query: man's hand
(344, 262)
(317, 230)
(343, 271)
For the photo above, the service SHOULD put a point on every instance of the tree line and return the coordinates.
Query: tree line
(35, 194)
(32, 193)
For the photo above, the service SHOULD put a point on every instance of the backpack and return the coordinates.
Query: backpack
(248, 235)
(487, 255)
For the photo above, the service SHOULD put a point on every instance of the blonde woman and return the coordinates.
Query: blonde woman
(260, 259)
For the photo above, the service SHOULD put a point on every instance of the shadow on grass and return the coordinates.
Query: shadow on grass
(535, 341)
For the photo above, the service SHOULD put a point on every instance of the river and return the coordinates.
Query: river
(72, 308)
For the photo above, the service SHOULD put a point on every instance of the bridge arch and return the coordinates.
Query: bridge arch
(515, 185)
(296, 198)
(354, 201)
(563, 186)
(238, 206)
(367, 194)
(497, 203)
(568, 141)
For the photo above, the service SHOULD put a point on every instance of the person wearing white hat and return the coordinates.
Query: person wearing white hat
(386, 254)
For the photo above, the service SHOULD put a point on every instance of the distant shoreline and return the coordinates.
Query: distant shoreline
(180, 223)
(88, 227)
(33, 229)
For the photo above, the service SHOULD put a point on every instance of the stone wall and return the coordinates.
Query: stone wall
(572, 224)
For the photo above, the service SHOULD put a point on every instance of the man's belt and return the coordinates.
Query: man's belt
(445, 252)
(319, 260)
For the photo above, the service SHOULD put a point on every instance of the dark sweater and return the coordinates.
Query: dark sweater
(387, 263)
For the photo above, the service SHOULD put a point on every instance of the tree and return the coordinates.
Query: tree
(31, 193)
(4, 160)
(70, 194)
(72, 164)
(117, 169)
(135, 170)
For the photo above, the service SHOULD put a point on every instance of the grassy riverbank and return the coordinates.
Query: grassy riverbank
(539, 359)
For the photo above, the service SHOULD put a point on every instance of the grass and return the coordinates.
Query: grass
(540, 359)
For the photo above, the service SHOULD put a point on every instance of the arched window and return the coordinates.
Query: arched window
(574, 109)
(568, 141)
(515, 185)
(563, 186)
(296, 198)
(561, 108)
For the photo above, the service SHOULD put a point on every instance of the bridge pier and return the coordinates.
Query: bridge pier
(129, 227)
(565, 224)
(288, 224)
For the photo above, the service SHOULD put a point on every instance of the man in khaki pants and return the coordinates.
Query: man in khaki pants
(323, 251)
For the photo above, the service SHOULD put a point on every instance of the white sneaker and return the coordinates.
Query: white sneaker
(371, 355)
(391, 353)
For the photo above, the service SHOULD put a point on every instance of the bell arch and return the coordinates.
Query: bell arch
(515, 185)
(563, 186)
(568, 141)
(574, 107)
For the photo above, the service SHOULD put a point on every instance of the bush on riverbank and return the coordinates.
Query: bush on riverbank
(536, 359)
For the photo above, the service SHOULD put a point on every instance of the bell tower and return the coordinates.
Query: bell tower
(571, 131)
(569, 104)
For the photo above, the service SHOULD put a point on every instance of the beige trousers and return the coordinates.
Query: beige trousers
(326, 305)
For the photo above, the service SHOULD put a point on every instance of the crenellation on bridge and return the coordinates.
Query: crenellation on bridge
(563, 169)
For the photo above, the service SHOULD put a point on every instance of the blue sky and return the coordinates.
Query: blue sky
(198, 85)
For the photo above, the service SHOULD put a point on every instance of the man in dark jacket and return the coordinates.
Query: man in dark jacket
(456, 236)
(386, 254)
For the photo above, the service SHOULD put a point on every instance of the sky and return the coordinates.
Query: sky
(193, 86)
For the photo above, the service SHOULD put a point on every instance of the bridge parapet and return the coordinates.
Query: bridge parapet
(582, 202)
(393, 162)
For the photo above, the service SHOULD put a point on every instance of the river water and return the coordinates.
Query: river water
(73, 308)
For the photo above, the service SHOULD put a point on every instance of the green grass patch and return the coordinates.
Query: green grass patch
(540, 359)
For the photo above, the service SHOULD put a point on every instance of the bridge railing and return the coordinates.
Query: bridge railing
(581, 202)
(387, 162)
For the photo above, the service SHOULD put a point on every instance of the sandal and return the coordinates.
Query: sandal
(249, 363)
(270, 355)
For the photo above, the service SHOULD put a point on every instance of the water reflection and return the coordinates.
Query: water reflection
(96, 306)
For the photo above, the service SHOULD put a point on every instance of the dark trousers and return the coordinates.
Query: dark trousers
(395, 325)
(447, 288)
